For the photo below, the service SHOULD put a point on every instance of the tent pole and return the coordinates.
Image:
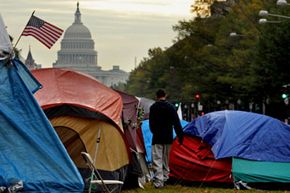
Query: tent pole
(94, 161)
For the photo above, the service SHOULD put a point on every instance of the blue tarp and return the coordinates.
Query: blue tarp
(30, 149)
(244, 135)
(147, 135)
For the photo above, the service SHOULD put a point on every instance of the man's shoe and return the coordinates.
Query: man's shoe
(158, 187)
(158, 184)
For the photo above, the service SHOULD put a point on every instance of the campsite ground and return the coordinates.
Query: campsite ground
(186, 189)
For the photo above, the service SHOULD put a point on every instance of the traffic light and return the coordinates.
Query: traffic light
(176, 104)
(284, 96)
(285, 91)
(197, 96)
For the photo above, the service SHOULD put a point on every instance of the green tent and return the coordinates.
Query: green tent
(254, 172)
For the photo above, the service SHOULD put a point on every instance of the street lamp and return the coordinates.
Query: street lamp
(264, 13)
(235, 34)
(263, 21)
(282, 2)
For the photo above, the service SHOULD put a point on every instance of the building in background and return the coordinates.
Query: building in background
(30, 63)
(78, 52)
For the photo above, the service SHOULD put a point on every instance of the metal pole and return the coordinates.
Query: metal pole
(276, 15)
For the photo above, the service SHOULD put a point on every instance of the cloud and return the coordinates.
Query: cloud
(133, 7)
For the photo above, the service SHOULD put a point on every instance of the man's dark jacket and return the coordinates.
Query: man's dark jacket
(162, 119)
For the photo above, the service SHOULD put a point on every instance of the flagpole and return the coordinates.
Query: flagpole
(23, 30)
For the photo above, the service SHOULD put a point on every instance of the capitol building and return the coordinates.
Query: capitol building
(78, 52)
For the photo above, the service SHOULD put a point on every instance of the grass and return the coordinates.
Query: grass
(189, 189)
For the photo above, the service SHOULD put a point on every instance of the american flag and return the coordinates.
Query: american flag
(43, 31)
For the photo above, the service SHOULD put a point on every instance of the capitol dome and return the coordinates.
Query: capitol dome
(77, 31)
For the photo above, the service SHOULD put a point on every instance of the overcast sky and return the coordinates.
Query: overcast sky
(122, 29)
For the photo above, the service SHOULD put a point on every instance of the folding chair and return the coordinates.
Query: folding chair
(96, 177)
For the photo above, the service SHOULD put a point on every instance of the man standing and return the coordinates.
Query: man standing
(162, 119)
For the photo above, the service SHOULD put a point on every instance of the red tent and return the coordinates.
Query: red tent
(193, 161)
(63, 86)
(133, 133)
(129, 118)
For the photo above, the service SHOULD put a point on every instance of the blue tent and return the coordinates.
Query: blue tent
(257, 144)
(244, 135)
(30, 150)
(147, 135)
